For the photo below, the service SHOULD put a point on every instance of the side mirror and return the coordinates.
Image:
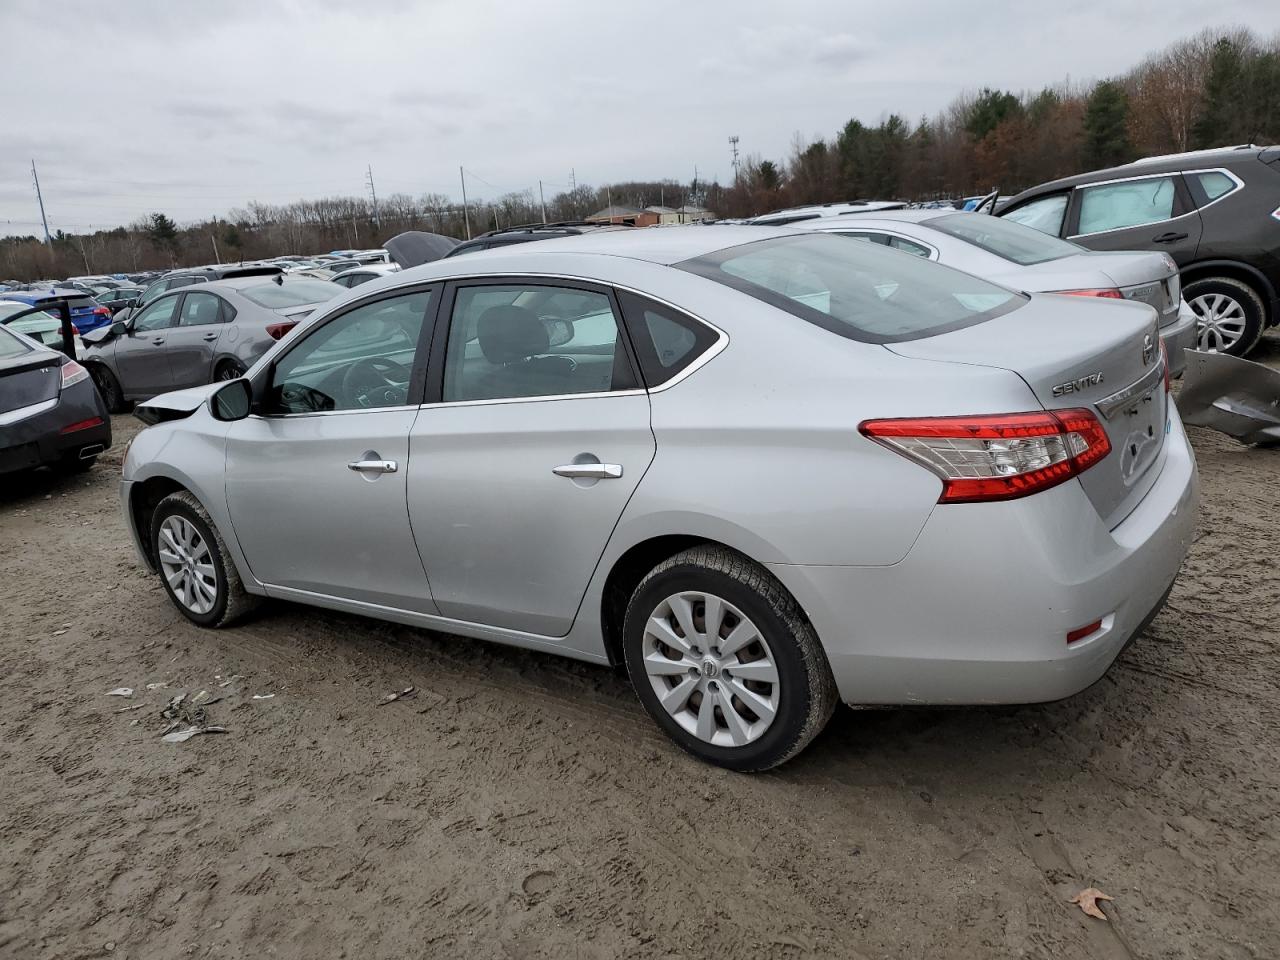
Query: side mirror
(119, 328)
(132, 302)
(232, 401)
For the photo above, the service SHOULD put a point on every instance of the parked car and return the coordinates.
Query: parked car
(44, 328)
(117, 300)
(86, 313)
(354, 276)
(185, 278)
(1021, 258)
(1213, 211)
(530, 232)
(765, 469)
(780, 218)
(50, 413)
(187, 337)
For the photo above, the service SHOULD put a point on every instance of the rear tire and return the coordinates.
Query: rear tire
(748, 694)
(195, 564)
(1230, 316)
(108, 387)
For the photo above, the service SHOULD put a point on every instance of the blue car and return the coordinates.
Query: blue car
(86, 313)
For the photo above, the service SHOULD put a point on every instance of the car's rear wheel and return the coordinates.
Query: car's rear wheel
(195, 565)
(723, 659)
(108, 386)
(1230, 316)
(229, 370)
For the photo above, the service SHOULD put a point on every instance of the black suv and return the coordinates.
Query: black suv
(1216, 212)
(528, 232)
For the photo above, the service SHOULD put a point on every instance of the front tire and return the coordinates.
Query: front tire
(195, 565)
(724, 661)
(229, 370)
(1230, 316)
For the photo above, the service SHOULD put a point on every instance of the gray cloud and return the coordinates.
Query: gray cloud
(277, 100)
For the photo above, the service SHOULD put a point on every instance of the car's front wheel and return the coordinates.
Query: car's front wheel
(229, 370)
(1230, 316)
(725, 662)
(195, 566)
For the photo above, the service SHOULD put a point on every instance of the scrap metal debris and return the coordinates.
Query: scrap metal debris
(1087, 900)
(263, 696)
(120, 692)
(182, 736)
(1232, 395)
(393, 697)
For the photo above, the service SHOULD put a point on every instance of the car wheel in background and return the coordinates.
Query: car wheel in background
(1229, 315)
(108, 386)
(723, 659)
(229, 370)
(195, 565)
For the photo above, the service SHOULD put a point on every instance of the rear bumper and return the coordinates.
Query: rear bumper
(979, 610)
(1177, 336)
(37, 439)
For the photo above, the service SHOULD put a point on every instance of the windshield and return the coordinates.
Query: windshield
(291, 293)
(1006, 239)
(858, 290)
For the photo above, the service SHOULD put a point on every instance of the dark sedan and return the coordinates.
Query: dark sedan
(50, 412)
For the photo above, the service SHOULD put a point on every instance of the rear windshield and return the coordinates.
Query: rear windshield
(11, 346)
(858, 290)
(1005, 238)
(291, 293)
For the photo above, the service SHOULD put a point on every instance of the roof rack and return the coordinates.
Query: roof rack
(1193, 153)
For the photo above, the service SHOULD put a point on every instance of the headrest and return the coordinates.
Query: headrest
(509, 334)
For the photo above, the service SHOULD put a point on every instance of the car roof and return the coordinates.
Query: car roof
(379, 268)
(1166, 163)
(664, 246)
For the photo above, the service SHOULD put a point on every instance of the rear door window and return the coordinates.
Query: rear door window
(666, 340)
(1131, 203)
(1044, 214)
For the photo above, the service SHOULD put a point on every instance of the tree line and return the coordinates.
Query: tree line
(1216, 88)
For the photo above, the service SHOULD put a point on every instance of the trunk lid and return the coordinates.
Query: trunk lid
(1078, 352)
(1150, 278)
(29, 378)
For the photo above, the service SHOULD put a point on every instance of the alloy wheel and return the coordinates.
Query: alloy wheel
(230, 371)
(1220, 322)
(187, 564)
(711, 669)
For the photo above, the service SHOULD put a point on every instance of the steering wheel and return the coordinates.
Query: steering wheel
(376, 381)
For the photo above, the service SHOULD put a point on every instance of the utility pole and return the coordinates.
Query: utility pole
(733, 143)
(40, 198)
(373, 193)
(543, 201)
(465, 216)
(214, 240)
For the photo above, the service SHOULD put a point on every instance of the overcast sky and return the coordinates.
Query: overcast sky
(155, 106)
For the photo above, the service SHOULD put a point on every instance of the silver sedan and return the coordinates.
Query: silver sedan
(765, 470)
(1020, 257)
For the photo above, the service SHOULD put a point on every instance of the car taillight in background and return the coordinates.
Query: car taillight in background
(1111, 293)
(997, 456)
(73, 373)
(102, 312)
(276, 331)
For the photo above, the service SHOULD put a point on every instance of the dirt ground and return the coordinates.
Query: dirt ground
(524, 806)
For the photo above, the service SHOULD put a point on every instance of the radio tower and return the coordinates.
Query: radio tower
(733, 143)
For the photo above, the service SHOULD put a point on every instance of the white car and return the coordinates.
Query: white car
(821, 211)
(1022, 258)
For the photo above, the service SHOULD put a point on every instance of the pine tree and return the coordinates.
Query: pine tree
(1106, 134)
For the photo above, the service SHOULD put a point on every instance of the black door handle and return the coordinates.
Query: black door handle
(1169, 237)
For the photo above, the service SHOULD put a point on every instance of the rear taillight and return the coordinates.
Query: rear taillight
(82, 425)
(1111, 293)
(73, 373)
(102, 311)
(997, 456)
(75, 330)
(276, 331)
